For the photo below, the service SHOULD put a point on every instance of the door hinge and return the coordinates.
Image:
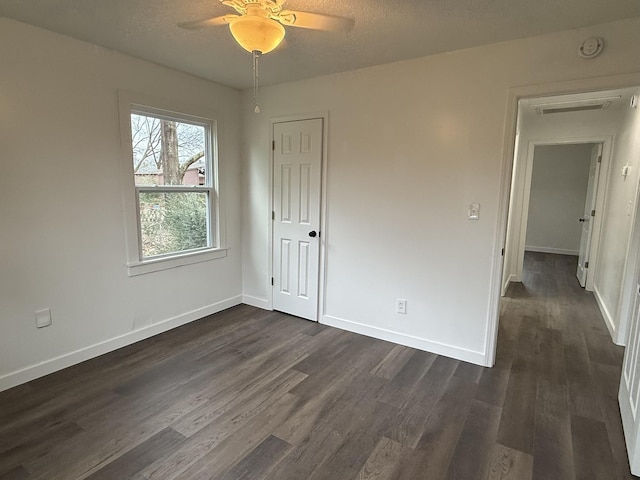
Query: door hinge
(599, 158)
(593, 213)
(502, 253)
(271, 281)
(273, 145)
(273, 214)
(586, 264)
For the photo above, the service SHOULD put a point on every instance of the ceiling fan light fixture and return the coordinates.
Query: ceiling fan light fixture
(256, 33)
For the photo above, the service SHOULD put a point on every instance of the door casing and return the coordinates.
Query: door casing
(324, 234)
(514, 95)
(524, 190)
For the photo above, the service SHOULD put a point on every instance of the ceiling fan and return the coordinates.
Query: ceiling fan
(259, 27)
(259, 24)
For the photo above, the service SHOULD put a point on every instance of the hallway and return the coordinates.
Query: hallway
(560, 403)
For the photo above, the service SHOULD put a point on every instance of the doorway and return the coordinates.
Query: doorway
(567, 121)
(296, 216)
(560, 192)
(616, 286)
(599, 117)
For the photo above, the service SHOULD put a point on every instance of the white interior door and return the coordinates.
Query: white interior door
(630, 388)
(589, 213)
(297, 168)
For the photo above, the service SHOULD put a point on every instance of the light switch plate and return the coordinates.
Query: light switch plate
(474, 211)
(625, 171)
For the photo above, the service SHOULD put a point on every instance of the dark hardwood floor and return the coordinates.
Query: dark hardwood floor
(249, 394)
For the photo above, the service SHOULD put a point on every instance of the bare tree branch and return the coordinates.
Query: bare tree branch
(190, 161)
(172, 146)
(145, 130)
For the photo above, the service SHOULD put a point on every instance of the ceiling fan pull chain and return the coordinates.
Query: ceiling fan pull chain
(256, 54)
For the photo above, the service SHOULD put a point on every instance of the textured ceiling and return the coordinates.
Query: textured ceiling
(384, 31)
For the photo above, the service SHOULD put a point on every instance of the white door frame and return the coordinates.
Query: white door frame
(324, 115)
(630, 277)
(509, 135)
(523, 189)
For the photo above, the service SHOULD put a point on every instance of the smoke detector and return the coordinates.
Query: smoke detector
(591, 47)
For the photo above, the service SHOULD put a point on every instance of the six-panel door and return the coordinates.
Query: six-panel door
(297, 168)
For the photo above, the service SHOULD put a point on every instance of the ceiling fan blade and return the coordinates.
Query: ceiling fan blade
(209, 22)
(238, 5)
(315, 21)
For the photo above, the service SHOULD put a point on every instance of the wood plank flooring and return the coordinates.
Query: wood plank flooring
(248, 394)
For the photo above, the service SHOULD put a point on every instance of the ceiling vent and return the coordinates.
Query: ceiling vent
(579, 108)
(573, 106)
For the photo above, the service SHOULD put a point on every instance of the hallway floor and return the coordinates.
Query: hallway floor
(560, 404)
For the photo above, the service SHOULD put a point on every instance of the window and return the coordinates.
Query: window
(173, 178)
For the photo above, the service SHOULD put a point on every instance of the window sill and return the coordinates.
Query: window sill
(158, 264)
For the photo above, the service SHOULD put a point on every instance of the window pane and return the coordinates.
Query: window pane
(172, 222)
(167, 152)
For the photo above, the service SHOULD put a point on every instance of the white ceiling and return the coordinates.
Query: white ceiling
(384, 31)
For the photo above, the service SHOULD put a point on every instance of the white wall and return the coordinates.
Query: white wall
(556, 202)
(622, 193)
(410, 145)
(61, 240)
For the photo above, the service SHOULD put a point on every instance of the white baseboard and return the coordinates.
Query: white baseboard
(479, 358)
(257, 302)
(510, 278)
(608, 319)
(63, 361)
(557, 251)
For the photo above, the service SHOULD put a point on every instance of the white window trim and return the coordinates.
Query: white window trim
(139, 103)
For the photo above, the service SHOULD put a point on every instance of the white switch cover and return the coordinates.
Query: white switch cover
(43, 318)
(625, 171)
(474, 211)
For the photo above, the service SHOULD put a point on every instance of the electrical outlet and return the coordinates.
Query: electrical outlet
(43, 318)
(401, 306)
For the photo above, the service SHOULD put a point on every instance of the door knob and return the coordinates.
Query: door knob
(313, 234)
(581, 219)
